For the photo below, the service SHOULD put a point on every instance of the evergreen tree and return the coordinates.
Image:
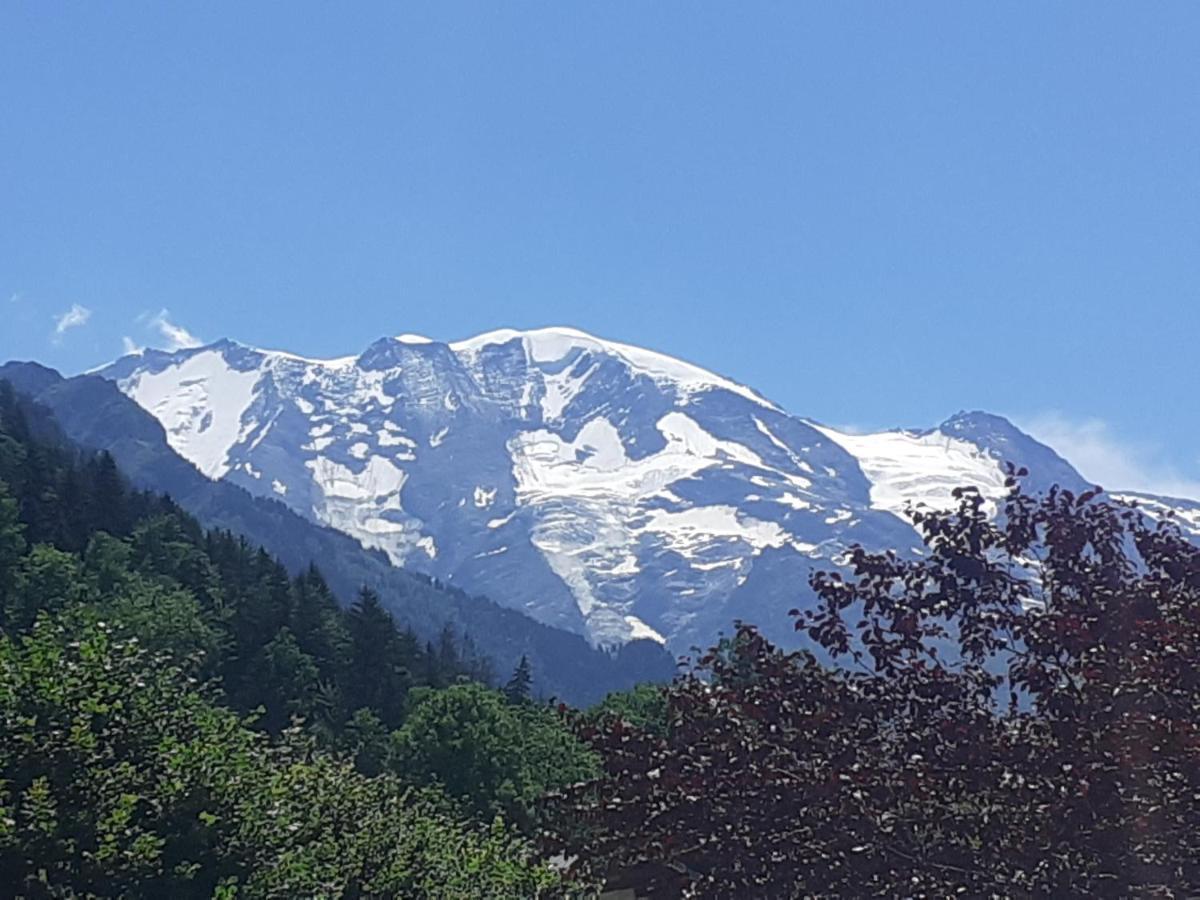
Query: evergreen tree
(475, 665)
(433, 675)
(408, 649)
(12, 546)
(448, 657)
(317, 623)
(366, 740)
(520, 687)
(286, 679)
(108, 496)
(74, 529)
(376, 676)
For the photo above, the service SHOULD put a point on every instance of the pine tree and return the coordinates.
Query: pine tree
(108, 496)
(475, 664)
(74, 532)
(316, 621)
(376, 677)
(449, 661)
(12, 545)
(519, 688)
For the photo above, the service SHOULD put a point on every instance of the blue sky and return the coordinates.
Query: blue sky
(876, 214)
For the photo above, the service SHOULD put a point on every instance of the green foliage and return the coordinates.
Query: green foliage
(99, 756)
(494, 757)
(644, 707)
(288, 679)
(166, 619)
(12, 545)
(46, 579)
(366, 741)
(180, 718)
(549, 757)
(379, 671)
(122, 778)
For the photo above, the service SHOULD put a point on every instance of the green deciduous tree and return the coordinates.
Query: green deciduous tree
(120, 778)
(644, 707)
(494, 757)
(47, 580)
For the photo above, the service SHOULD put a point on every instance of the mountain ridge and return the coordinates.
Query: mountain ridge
(600, 487)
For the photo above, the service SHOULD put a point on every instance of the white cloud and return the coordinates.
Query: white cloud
(851, 427)
(1115, 462)
(176, 336)
(75, 317)
(130, 346)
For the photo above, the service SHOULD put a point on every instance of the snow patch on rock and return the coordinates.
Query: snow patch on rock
(200, 402)
(919, 468)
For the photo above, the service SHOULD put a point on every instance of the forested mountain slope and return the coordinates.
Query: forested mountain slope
(93, 413)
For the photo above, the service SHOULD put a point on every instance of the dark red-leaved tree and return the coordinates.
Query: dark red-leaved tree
(1015, 713)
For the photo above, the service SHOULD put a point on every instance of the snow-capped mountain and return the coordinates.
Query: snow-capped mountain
(602, 488)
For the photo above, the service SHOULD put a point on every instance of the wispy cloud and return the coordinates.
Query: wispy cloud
(129, 346)
(75, 317)
(16, 297)
(854, 428)
(176, 336)
(1116, 462)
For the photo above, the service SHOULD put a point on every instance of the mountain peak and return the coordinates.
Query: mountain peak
(975, 420)
(547, 338)
(554, 344)
(1006, 443)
